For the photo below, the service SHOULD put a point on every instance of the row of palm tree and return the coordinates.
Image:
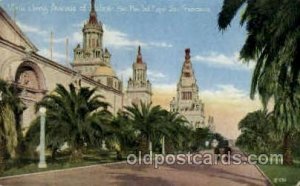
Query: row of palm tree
(273, 37)
(79, 117)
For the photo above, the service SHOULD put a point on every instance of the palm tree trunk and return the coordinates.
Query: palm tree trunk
(53, 154)
(287, 151)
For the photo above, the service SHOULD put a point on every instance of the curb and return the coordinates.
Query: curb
(264, 175)
(261, 172)
(60, 170)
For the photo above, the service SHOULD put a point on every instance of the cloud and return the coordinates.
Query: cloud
(57, 40)
(228, 105)
(160, 44)
(118, 39)
(112, 37)
(125, 74)
(155, 75)
(225, 93)
(31, 29)
(59, 57)
(219, 60)
(165, 87)
(77, 37)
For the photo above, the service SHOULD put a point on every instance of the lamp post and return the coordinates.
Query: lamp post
(42, 163)
(163, 150)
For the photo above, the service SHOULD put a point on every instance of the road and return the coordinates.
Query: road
(124, 174)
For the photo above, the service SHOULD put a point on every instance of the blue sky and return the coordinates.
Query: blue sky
(163, 28)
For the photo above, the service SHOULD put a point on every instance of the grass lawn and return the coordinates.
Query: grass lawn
(62, 162)
(283, 175)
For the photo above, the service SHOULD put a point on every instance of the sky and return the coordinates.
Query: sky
(163, 28)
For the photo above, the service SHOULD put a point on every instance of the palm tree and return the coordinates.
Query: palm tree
(121, 134)
(173, 131)
(200, 136)
(274, 44)
(147, 120)
(11, 108)
(75, 116)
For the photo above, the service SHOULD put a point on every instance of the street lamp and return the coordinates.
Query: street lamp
(163, 150)
(42, 163)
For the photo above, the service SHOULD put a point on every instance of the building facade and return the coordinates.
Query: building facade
(91, 59)
(187, 101)
(139, 87)
(35, 76)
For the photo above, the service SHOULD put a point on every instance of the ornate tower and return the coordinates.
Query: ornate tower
(139, 87)
(88, 57)
(91, 59)
(187, 101)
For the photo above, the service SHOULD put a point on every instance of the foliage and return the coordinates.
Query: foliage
(11, 107)
(75, 116)
(273, 42)
(257, 132)
(175, 131)
(147, 121)
(121, 135)
(200, 136)
(152, 123)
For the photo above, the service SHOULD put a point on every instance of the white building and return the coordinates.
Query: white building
(91, 59)
(35, 76)
(187, 101)
(139, 87)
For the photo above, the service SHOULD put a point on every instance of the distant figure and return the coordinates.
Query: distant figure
(226, 150)
(215, 144)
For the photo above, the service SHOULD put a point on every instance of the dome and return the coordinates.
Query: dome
(104, 71)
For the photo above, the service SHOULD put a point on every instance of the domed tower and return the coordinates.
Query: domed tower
(187, 101)
(139, 87)
(91, 59)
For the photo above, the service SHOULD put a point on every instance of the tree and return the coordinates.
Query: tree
(147, 120)
(274, 44)
(75, 116)
(257, 132)
(200, 136)
(173, 131)
(11, 108)
(121, 134)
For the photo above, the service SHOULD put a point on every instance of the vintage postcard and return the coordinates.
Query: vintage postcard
(139, 92)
